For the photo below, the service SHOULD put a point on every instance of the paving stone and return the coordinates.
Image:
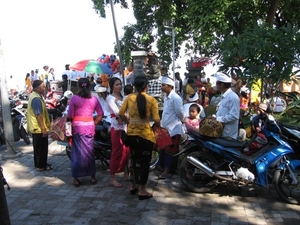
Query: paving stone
(49, 198)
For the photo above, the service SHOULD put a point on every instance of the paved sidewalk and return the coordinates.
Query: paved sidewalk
(49, 198)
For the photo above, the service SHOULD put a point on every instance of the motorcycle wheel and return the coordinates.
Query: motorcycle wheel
(285, 189)
(24, 135)
(68, 150)
(193, 178)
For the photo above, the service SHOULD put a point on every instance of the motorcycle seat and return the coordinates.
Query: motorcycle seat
(229, 142)
(98, 144)
(99, 128)
(221, 141)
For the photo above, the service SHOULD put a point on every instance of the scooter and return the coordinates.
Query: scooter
(291, 133)
(56, 107)
(219, 161)
(19, 124)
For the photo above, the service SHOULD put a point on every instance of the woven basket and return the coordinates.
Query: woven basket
(211, 127)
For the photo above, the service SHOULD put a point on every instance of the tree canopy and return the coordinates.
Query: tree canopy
(211, 27)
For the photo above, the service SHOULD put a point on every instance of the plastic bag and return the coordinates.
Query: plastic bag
(162, 136)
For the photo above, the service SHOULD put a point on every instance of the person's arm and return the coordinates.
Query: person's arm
(179, 108)
(154, 112)
(122, 111)
(37, 108)
(41, 123)
(99, 111)
(71, 108)
(112, 105)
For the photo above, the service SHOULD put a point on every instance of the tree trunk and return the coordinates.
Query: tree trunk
(272, 11)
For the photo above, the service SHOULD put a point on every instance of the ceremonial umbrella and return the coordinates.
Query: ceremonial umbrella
(92, 66)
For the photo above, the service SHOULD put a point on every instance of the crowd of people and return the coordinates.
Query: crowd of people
(129, 108)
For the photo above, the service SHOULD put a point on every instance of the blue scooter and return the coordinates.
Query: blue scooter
(209, 162)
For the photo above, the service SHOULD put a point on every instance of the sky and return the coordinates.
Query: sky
(35, 33)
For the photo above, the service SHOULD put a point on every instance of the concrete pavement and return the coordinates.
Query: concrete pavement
(49, 198)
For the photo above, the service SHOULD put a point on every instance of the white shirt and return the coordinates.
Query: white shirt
(69, 73)
(106, 112)
(245, 89)
(172, 114)
(36, 75)
(186, 110)
(177, 86)
(184, 82)
(117, 75)
(51, 77)
(276, 104)
(114, 109)
(229, 113)
(32, 78)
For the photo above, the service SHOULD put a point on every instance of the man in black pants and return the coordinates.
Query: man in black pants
(38, 124)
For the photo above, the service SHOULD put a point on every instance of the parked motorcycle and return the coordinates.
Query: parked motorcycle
(292, 134)
(56, 107)
(19, 124)
(214, 161)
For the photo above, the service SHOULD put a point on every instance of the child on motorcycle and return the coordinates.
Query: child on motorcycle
(193, 119)
(257, 124)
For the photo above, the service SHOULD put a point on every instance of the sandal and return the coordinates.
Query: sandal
(77, 184)
(134, 191)
(48, 167)
(144, 197)
(93, 181)
(163, 176)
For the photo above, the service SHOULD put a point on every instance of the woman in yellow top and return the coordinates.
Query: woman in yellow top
(28, 83)
(141, 140)
(189, 89)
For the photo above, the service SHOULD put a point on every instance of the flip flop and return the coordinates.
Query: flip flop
(163, 176)
(93, 182)
(48, 167)
(144, 197)
(134, 191)
(77, 184)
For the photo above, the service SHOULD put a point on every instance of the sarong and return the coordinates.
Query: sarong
(119, 154)
(82, 156)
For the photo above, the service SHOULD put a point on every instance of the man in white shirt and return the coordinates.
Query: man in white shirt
(36, 74)
(32, 77)
(172, 119)
(68, 72)
(228, 111)
(102, 94)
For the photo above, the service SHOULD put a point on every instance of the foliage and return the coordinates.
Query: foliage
(99, 5)
(202, 25)
(261, 52)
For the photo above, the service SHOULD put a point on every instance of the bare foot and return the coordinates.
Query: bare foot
(115, 184)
